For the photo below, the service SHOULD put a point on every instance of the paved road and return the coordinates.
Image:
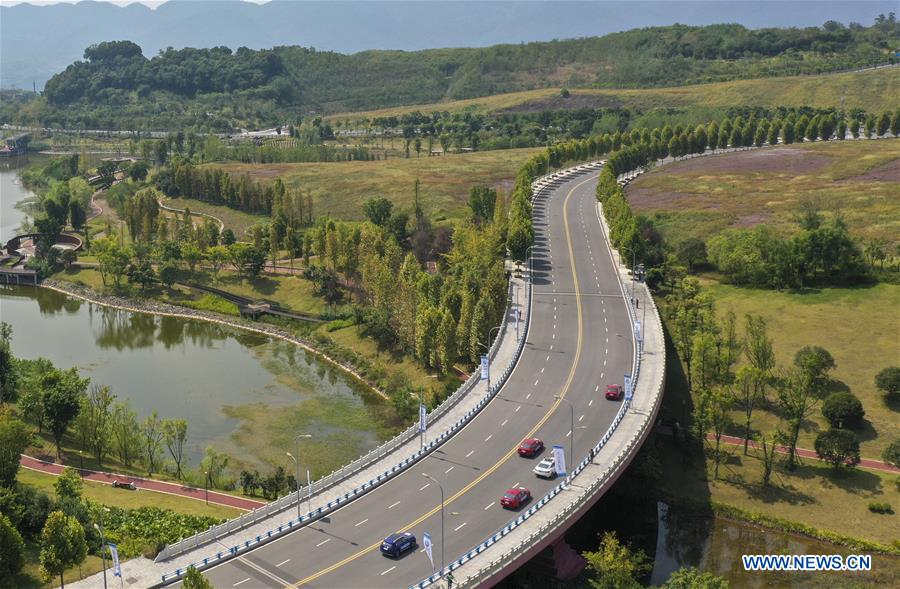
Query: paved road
(804, 453)
(578, 342)
(146, 484)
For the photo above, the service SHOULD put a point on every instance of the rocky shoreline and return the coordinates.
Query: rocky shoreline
(151, 307)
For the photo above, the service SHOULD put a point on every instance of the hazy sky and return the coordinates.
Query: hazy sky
(150, 3)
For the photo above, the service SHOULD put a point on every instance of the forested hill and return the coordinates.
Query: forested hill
(217, 89)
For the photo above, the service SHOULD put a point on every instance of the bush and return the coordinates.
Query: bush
(888, 382)
(891, 454)
(881, 508)
(843, 409)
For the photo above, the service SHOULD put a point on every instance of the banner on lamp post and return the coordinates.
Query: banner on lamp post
(114, 552)
(628, 391)
(559, 460)
(637, 330)
(485, 368)
(422, 415)
(426, 543)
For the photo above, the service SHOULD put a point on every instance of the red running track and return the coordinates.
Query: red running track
(804, 453)
(147, 484)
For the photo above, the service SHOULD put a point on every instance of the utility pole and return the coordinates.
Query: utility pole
(296, 460)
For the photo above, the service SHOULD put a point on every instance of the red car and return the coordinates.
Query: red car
(515, 498)
(613, 392)
(530, 447)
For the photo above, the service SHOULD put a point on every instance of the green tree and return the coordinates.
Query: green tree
(816, 362)
(152, 435)
(214, 464)
(191, 254)
(692, 578)
(888, 382)
(796, 400)
(749, 393)
(62, 545)
(481, 326)
(126, 433)
(891, 454)
(12, 550)
(614, 565)
(168, 273)
(194, 579)
(63, 392)
(843, 409)
(838, 447)
(68, 485)
(217, 256)
(446, 341)
(767, 445)
(8, 372)
(378, 210)
(99, 416)
(882, 124)
(14, 438)
(692, 251)
(175, 436)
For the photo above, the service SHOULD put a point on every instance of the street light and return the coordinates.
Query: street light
(102, 544)
(428, 476)
(206, 485)
(81, 461)
(297, 462)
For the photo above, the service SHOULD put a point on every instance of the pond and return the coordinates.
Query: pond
(242, 393)
(13, 195)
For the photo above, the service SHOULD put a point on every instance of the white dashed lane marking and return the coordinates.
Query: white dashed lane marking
(426, 485)
(357, 524)
(393, 505)
(389, 570)
(323, 542)
(487, 439)
(239, 582)
(470, 453)
(283, 562)
(459, 527)
(449, 469)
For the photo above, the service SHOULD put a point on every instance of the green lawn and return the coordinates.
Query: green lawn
(858, 326)
(700, 197)
(871, 90)
(339, 189)
(107, 495)
(237, 221)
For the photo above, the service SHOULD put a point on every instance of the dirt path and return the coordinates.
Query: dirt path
(804, 453)
(145, 484)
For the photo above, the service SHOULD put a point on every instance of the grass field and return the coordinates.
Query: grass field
(874, 90)
(859, 326)
(237, 221)
(340, 189)
(702, 196)
(109, 496)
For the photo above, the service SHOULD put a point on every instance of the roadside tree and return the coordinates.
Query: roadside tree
(838, 447)
(62, 545)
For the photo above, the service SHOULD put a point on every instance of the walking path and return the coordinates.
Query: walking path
(145, 484)
(804, 453)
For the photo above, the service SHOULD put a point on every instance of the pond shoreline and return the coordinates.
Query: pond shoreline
(89, 295)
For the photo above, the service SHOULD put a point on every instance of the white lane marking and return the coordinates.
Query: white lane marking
(323, 542)
(607, 340)
(528, 396)
(505, 421)
(569, 434)
(601, 375)
(487, 439)
(536, 382)
(597, 388)
(356, 525)
(551, 347)
(542, 370)
(554, 326)
(516, 485)
(389, 570)
(604, 361)
(425, 486)
(239, 582)
(459, 527)
(283, 562)
(393, 505)
(547, 358)
(517, 408)
(591, 402)
(580, 418)
(554, 336)
(449, 469)
(470, 453)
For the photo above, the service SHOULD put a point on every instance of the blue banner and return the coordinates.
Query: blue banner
(628, 391)
(422, 414)
(485, 368)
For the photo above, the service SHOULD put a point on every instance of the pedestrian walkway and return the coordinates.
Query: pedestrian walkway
(804, 453)
(179, 489)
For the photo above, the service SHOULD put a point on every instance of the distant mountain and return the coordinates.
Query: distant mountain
(39, 41)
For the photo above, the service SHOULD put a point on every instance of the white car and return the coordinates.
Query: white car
(546, 468)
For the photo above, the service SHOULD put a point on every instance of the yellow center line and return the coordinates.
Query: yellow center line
(508, 455)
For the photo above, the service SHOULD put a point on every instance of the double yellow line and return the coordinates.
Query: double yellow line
(508, 455)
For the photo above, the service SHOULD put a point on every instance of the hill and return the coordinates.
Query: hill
(39, 41)
(217, 89)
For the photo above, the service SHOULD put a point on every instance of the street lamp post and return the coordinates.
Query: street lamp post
(102, 545)
(428, 476)
(206, 485)
(572, 432)
(296, 460)
(81, 462)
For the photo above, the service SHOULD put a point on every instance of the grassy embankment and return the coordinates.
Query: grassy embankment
(857, 325)
(869, 90)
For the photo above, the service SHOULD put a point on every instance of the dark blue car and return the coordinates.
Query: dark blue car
(396, 544)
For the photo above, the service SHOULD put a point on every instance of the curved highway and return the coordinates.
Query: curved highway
(578, 342)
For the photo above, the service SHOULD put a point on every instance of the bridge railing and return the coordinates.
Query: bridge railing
(549, 526)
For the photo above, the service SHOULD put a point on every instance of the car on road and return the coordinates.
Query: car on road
(515, 498)
(124, 485)
(530, 447)
(546, 468)
(613, 392)
(396, 544)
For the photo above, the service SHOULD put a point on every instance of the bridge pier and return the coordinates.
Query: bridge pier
(568, 562)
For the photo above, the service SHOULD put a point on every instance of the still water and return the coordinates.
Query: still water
(13, 196)
(241, 393)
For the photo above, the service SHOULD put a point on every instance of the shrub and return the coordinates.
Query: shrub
(843, 409)
(881, 508)
(891, 454)
(888, 382)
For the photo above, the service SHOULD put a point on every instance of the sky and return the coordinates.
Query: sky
(150, 3)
